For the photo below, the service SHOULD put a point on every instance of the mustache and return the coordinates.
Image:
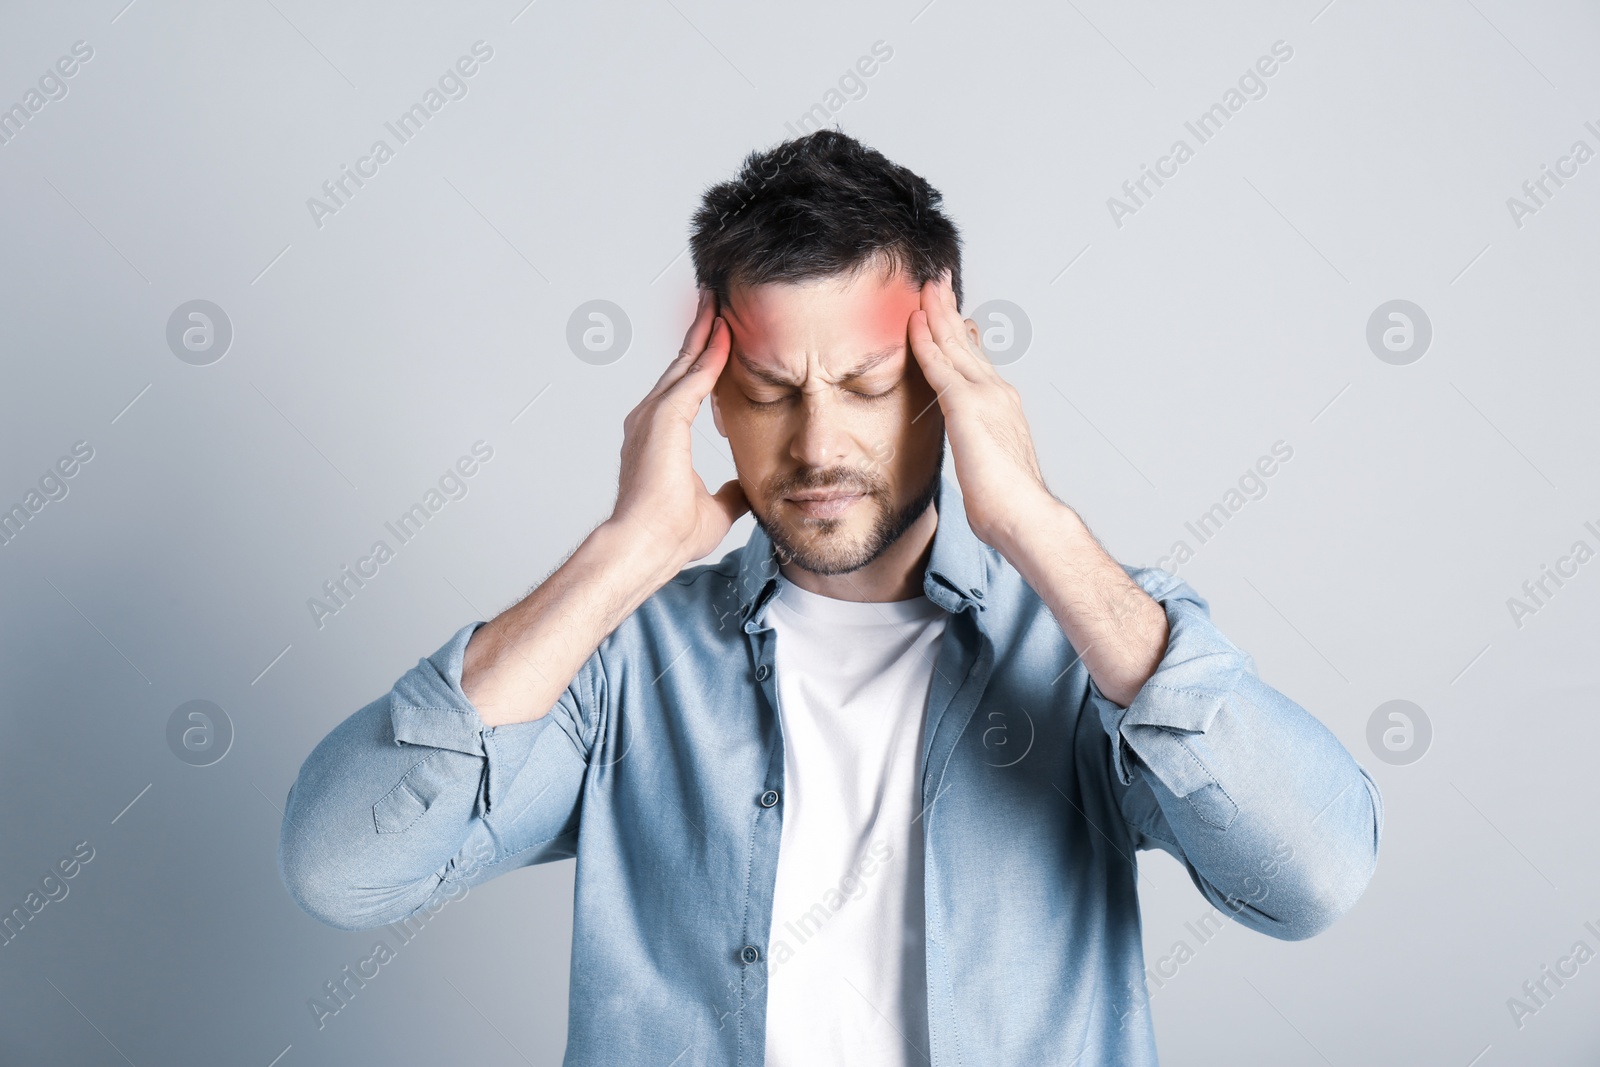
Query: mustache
(836, 478)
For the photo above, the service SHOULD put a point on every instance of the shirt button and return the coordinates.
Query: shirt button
(750, 954)
(761, 673)
(769, 798)
(977, 593)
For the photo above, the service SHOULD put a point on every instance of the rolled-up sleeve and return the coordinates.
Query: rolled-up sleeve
(1274, 819)
(413, 796)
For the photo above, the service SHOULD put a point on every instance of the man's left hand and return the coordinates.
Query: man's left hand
(989, 439)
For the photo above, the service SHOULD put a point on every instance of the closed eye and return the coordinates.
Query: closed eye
(866, 397)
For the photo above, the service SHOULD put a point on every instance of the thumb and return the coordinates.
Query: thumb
(731, 499)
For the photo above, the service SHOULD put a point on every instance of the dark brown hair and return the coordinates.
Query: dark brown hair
(821, 205)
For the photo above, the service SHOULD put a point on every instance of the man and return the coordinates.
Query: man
(869, 789)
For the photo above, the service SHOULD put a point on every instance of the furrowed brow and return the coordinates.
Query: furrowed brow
(866, 365)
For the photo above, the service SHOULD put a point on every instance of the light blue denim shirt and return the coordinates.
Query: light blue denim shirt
(661, 770)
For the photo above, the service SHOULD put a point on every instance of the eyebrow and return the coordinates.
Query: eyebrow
(866, 365)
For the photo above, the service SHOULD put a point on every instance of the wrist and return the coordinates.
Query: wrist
(644, 551)
(1037, 520)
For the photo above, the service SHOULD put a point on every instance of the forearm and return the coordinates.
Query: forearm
(353, 850)
(1274, 817)
(1279, 822)
(517, 665)
(1118, 630)
(411, 793)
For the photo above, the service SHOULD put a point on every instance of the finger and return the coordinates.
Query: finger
(948, 291)
(700, 329)
(943, 319)
(700, 376)
(949, 314)
(949, 329)
(694, 343)
(934, 361)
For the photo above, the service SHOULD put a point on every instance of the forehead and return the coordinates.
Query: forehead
(838, 318)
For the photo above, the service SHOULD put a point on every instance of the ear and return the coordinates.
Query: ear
(716, 406)
(972, 332)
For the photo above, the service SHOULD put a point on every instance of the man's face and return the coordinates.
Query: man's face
(837, 437)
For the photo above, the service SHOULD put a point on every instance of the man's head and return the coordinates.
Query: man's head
(817, 253)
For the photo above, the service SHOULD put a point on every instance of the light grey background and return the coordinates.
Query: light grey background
(431, 312)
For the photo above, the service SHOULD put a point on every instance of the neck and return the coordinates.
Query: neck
(895, 575)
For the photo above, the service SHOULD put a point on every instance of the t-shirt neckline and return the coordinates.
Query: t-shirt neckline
(853, 612)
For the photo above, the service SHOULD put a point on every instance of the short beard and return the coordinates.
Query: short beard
(891, 525)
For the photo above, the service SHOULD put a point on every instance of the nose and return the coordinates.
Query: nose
(819, 438)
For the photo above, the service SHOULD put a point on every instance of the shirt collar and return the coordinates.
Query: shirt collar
(957, 575)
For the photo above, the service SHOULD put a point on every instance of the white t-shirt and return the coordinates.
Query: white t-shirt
(847, 974)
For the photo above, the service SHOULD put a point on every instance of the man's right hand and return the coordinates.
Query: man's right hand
(515, 668)
(659, 494)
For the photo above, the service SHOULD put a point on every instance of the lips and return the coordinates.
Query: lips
(824, 505)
